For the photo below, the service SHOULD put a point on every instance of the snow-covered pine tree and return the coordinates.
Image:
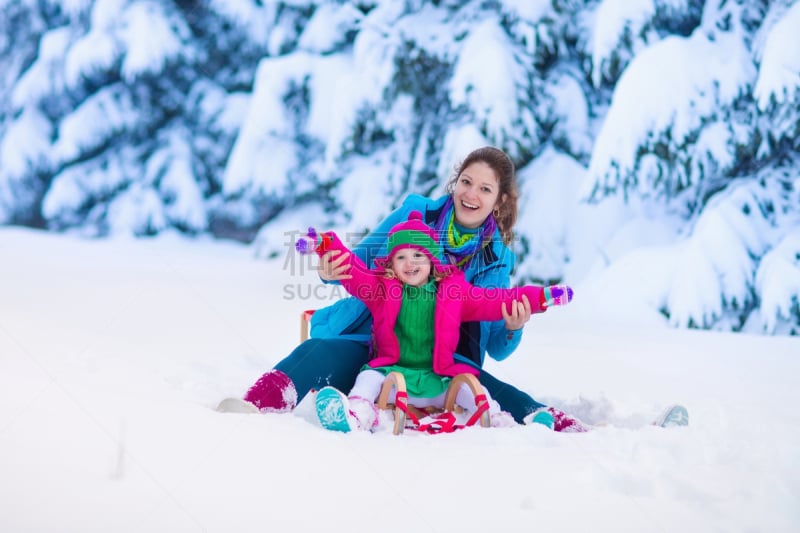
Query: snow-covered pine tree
(125, 113)
(420, 85)
(244, 118)
(390, 112)
(777, 282)
(25, 130)
(692, 136)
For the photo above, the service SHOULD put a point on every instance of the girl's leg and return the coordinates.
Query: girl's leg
(314, 364)
(464, 399)
(368, 385)
(517, 403)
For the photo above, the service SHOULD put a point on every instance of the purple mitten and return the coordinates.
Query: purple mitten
(308, 243)
(557, 295)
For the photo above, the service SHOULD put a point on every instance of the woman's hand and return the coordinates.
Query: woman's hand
(331, 268)
(519, 315)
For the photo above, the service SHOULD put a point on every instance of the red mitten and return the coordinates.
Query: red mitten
(313, 242)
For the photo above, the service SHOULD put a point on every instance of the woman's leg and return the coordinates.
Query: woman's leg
(512, 400)
(312, 365)
(320, 362)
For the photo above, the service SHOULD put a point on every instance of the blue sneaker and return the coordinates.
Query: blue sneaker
(333, 410)
(541, 416)
(673, 416)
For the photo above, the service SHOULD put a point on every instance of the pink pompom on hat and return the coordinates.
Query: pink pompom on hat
(414, 233)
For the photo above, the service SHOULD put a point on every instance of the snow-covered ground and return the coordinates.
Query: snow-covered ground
(113, 355)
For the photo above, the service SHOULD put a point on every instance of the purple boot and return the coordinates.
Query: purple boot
(273, 392)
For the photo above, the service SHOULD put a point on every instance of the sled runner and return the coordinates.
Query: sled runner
(434, 420)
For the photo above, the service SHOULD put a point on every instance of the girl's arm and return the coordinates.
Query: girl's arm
(363, 284)
(486, 304)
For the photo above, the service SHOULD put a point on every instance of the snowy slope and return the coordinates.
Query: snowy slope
(114, 353)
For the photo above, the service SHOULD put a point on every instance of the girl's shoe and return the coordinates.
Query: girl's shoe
(273, 392)
(333, 410)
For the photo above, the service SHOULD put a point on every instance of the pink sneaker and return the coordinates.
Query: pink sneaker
(273, 392)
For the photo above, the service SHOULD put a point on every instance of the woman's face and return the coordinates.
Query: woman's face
(475, 194)
(411, 266)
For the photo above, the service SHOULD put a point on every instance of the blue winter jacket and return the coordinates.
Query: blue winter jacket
(349, 318)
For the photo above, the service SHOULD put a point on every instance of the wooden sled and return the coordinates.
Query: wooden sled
(395, 380)
(305, 320)
(402, 410)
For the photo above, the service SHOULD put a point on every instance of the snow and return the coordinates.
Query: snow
(778, 76)
(114, 353)
(263, 155)
(96, 93)
(664, 92)
(74, 7)
(367, 181)
(328, 28)
(255, 18)
(544, 218)
(487, 79)
(42, 77)
(104, 13)
(107, 112)
(136, 211)
(615, 21)
(528, 10)
(95, 51)
(171, 169)
(571, 112)
(151, 39)
(456, 145)
(25, 145)
(778, 281)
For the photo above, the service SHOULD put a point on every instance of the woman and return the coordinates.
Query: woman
(475, 222)
(417, 302)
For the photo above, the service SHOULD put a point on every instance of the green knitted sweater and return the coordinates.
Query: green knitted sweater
(414, 330)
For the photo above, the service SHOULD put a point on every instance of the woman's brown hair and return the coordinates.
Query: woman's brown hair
(506, 213)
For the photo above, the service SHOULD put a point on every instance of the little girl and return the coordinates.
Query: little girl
(417, 304)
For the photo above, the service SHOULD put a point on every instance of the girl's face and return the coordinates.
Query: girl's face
(475, 194)
(411, 266)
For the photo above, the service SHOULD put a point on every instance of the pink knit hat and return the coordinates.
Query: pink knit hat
(414, 233)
